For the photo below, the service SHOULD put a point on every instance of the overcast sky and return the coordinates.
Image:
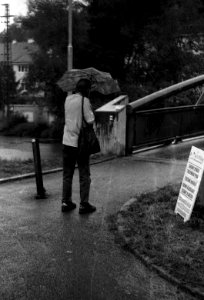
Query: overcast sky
(17, 7)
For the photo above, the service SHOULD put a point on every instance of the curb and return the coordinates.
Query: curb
(166, 161)
(31, 175)
(121, 225)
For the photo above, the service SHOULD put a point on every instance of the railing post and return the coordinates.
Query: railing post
(41, 193)
(130, 130)
(111, 126)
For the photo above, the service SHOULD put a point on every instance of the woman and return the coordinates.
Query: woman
(73, 123)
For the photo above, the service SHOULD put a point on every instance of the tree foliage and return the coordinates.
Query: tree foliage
(144, 43)
(115, 27)
(47, 22)
(147, 44)
(17, 32)
(7, 85)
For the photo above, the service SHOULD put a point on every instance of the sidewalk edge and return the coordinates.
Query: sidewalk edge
(31, 175)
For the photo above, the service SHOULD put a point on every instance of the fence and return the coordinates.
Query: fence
(153, 126)
(165, 125)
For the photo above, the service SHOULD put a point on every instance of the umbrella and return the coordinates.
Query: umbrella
(102, 82)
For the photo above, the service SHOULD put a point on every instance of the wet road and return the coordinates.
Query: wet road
(21, 148)
(49, 255)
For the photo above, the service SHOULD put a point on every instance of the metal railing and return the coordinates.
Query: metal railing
(163, 125)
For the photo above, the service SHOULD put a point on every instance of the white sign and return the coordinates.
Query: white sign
(190, 184)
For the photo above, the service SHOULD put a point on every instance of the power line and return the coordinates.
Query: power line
(7, 61)
(7, 41)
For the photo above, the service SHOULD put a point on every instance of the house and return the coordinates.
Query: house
(21, 58)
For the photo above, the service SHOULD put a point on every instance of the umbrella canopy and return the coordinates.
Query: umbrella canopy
(102, 82)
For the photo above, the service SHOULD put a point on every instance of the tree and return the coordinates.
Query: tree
(7, 85)
(142, 42)
(17, 32)
(115, 27)
(169, 59)
(47, 21)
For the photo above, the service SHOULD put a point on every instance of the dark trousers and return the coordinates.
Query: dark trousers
(70, 158)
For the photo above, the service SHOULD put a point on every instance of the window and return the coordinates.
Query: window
(23, 68)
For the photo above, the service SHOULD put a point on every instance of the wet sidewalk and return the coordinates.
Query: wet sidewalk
(49, 255)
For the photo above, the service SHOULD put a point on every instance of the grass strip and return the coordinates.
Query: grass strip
(14, 167)
(153, 230)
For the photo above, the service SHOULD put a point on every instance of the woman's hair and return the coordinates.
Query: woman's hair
(83, 86)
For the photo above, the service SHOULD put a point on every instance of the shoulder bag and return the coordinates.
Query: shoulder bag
(88, 142)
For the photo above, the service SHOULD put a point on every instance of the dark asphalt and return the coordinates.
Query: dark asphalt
(46, 255)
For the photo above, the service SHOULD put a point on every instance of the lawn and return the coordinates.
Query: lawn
(155, 233)
(14, 167)
(9, 168)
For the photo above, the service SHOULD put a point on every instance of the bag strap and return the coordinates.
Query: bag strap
(82, 111)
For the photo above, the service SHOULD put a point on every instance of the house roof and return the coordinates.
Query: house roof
(21, 52)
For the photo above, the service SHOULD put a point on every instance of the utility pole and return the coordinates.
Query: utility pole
(70, 48)
(7, 58)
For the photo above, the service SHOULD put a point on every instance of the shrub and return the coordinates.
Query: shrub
(45, 133)
(56, 129)
(13, 121)
(17, 125)
(28, 129)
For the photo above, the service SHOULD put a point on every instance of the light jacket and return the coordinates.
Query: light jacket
(73, 118)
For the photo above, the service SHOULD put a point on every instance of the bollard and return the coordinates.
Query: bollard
(41, 192)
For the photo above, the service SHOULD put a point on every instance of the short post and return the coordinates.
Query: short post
(41, 193)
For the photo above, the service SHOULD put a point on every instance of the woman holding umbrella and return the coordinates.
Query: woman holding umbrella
(71, 155)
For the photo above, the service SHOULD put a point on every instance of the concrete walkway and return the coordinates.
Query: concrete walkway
(46, 255)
